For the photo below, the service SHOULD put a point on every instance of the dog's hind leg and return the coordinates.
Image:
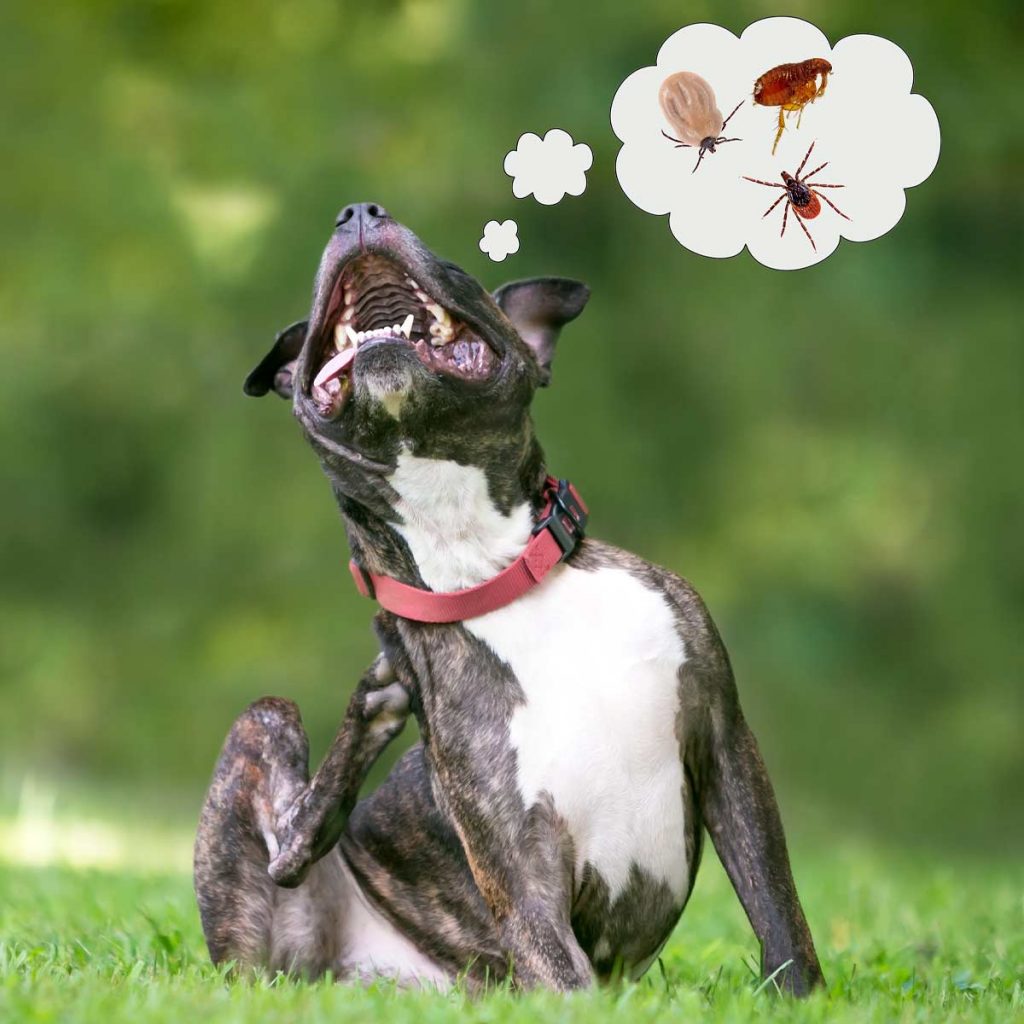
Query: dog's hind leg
(262, 767)
(260, 787)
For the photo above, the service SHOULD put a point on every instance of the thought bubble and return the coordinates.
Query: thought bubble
(500, 240)
(548, 168)
(874, 135)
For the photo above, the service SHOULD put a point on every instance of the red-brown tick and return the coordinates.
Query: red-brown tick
(802, 195)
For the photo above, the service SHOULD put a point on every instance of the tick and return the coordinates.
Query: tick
(791, 87)
(689, 106)
(802, 194)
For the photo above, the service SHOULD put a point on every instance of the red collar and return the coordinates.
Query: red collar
(554, 538)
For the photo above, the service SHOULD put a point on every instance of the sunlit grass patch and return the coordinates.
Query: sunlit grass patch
(901, 939)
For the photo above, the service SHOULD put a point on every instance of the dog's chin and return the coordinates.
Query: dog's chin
(385, 374)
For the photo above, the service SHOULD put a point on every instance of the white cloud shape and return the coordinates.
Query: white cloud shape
(548, 168)
(878, 138)
(500, 240)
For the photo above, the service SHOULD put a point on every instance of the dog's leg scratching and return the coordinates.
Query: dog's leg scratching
(313, 823)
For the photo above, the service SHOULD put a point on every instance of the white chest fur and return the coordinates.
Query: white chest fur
(455, 533)
(597, 656)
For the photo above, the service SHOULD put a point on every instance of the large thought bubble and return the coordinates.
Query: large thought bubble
(876, 137)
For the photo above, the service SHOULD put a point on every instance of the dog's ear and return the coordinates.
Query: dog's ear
(538, 309)
(277, 368)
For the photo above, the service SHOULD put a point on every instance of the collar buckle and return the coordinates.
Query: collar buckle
(566, 516)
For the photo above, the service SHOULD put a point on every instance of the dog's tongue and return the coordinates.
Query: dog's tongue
(335, 367)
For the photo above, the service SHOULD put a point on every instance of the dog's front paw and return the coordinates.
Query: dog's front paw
(386, 710)
(385, 701)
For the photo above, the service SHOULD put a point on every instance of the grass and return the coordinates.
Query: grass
(902, 939)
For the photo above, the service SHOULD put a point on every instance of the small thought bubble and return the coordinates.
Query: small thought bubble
(548, 168)
(500, 240)
(775, 140)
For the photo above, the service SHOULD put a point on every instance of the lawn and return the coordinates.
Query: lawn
(902, 939)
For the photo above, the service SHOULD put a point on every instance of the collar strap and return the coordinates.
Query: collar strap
(558, 531)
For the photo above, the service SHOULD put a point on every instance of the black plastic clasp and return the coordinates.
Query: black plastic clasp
(567, 520)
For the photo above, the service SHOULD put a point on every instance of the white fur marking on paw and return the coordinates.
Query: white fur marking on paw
(393, 699)
(382, 670)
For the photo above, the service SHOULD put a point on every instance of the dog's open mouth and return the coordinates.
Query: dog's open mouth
(375, 301)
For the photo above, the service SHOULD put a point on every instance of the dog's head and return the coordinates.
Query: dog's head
(403, 350)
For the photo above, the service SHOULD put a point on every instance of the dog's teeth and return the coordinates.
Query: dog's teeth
(353, 336)
(439, 313)
(406, 327)
(339, 336)
(348, 314)
(380, 332)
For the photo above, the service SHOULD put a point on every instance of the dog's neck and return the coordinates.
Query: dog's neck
(454, 525)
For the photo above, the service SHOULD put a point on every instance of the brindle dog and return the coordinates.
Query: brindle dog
(575, 743)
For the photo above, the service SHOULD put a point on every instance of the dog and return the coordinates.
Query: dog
(580, 725)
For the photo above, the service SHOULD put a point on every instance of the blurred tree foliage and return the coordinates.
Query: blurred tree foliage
(832, 456)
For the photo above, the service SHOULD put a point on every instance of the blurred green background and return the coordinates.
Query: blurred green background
(832, 456)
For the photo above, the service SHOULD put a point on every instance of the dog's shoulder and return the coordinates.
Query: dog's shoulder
(707, 688)
(696, 628)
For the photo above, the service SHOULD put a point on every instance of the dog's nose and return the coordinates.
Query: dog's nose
(357, 214)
